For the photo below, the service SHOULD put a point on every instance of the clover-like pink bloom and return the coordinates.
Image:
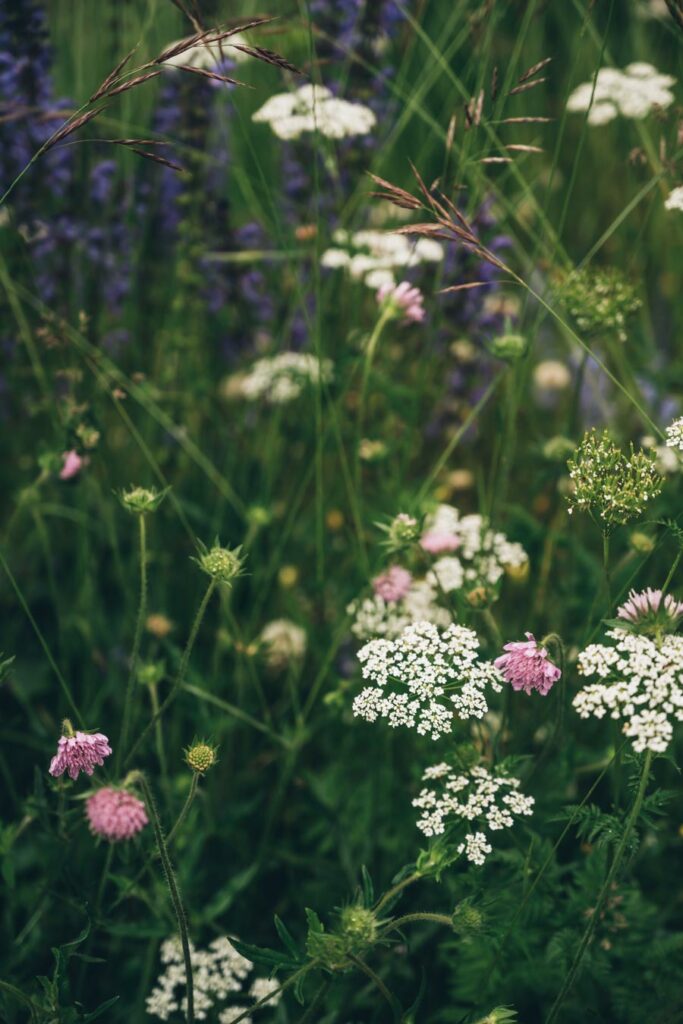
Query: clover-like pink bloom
(649, 604)
(393, 584)
(526, 666)
(79, 752)
(436, 542)
(405, 297)
(72, 464)
(115, 814)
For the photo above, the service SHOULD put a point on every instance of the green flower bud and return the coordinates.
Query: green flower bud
(558, 449)
(641, 542)
(141, 500)
(467, 919)
(359, 925)
(150, 673)
(510, 347)
(200, 757)
(222, 564)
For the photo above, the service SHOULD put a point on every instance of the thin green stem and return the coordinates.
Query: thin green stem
(411, 918)
(158, 733)
(186, 807)
(140, 779)
(137, 639)
(41, 639)
(606, 570)
(369, 356)
(604, 891)
(180, 677)
(672, 571)
(396, 889)
(277, 991)
(378, 983)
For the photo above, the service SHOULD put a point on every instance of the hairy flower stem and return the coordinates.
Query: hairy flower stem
(399, 922)
(604, 891)
(186, 807)
(606, 570)
(395, 890)
(369, 355)
(180, 677)
(135, 654)
(140, 779)
(378, 983)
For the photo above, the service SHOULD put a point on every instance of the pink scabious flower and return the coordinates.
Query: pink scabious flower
(651, 608)
(405, 298)
(115, 814)
(393, 584)
(72, 464)
(436, 542)
(79, 752)
(526, 666)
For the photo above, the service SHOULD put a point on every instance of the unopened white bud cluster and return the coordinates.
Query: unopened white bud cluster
(476, 795)
(641, 683)
(424, 678)
(219, 973)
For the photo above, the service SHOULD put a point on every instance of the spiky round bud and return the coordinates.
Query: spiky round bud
(510, 347)
(359, 925)
(141, 500)
(558, 449)
(200, 757)
(467, 919)
(222, 564)
(150, 673)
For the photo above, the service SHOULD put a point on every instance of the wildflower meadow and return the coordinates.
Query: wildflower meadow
(341, 529)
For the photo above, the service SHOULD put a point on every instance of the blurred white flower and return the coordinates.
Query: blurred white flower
(632, 93)
(372, 256)
(283, 642)
(314, 108)
(278, 379)
(674, 200)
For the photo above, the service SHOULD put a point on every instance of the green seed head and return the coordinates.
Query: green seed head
(200, 757)
(359, 925)
(222, 564)
(509, 347)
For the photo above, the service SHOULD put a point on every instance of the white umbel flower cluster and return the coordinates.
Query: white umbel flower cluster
(372, 256)
(375, 617)
(219, 973)
(633, 93)
(282, 378)
(674, 434)
(483, 554)
(674, 201)
(315, 108)
(476, 795)
(424, 678)
(208, 55)
(641, 683)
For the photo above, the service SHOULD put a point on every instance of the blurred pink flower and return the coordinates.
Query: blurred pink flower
(407, 299)
(526, 666)
(72, 465)
(115, 814)
(79, 752)
(650, 604)
(437, 541)
(393, 584)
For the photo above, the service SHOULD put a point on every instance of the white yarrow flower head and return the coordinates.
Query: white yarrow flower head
(220, 973)
(425, 678)
(373, 256)
(282, 378)
(485, 801)
(674, 434)
(633, 92)
(674, 200)
(314, 108)
(640, 682)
